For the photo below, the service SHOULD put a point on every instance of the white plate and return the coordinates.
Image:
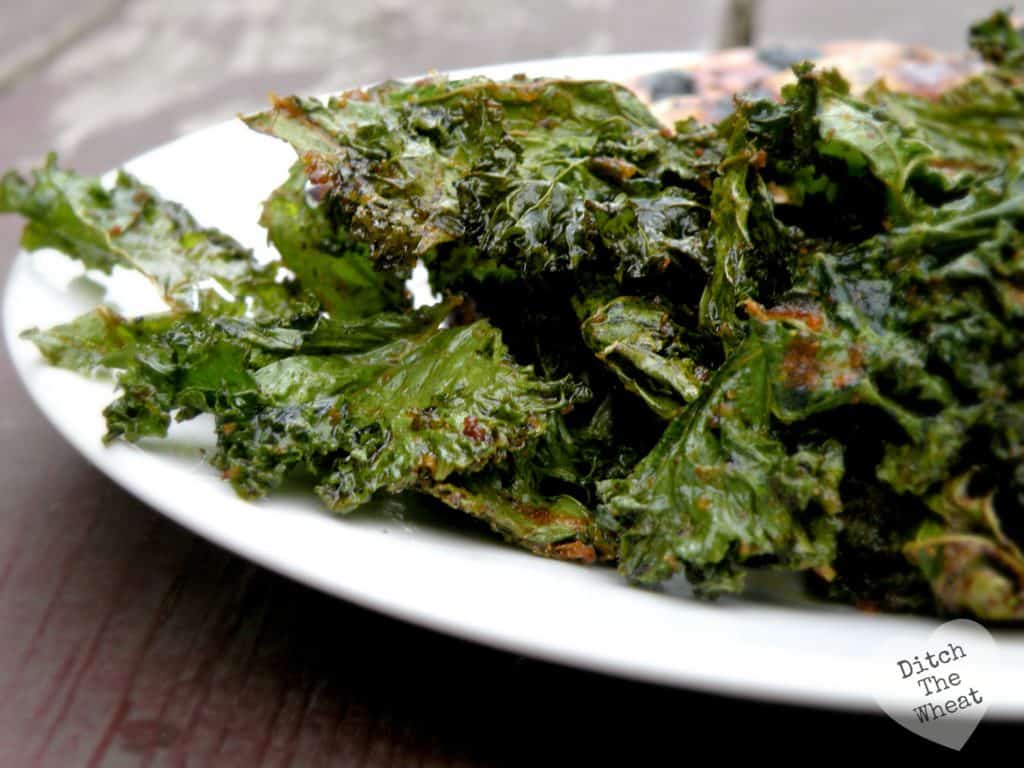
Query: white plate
(438, 572)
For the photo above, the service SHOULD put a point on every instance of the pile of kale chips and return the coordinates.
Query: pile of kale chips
(787, 341)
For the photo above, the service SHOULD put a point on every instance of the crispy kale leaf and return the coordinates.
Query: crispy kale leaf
(771, 164)
(171, 363)
(722, 488)
(129, 225)
(998, 40)
(324, 257)
(534, 175)
(898, 312)
(650, 354)
(382, 404)
(397, 416)
(948, 290)
(543, 496)
(511, 500)
(97, 341)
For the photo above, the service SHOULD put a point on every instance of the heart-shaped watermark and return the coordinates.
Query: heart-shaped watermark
(935, 682)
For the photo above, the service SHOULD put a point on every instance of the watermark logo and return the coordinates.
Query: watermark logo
(936, 685)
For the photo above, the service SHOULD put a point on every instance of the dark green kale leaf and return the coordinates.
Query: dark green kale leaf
(650, 354)
(888, 157)
(129, 225)
(825, 195)
(729, 242)
(519, 500)
(938, 313)
(534, 175)
(641, 234)
(552, 526)
(542, 496)
(998, 40)
(968, 133)
(973, 566)
(870, 143)
(324, 257)
(722, 488)
(823, 295)
(843, 169)
(750, 252)
(743, 477)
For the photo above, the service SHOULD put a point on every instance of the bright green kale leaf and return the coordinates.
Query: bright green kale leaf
(536, 175)
(165, 363)
(131, 226)
(100, 340)
(190, 363)
(324, 257)
(404, 414)
(385, 403)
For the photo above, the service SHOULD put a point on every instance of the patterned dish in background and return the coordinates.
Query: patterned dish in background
(704, 88)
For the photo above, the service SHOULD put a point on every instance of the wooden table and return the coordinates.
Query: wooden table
(125, 640)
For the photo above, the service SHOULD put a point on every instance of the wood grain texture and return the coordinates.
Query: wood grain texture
(33, 34)
(125, 640)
